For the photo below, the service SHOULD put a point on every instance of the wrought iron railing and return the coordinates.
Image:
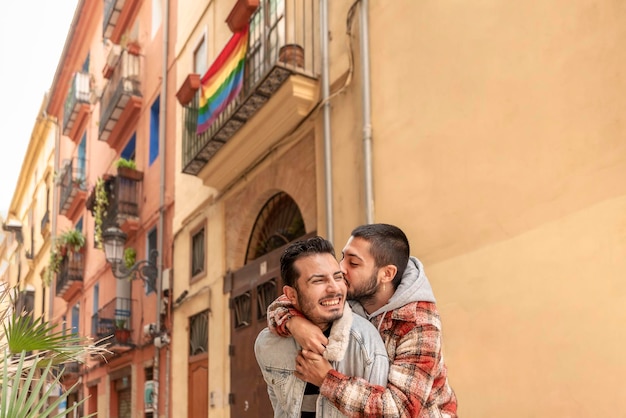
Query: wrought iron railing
(124, 82)
(77, 95)
(72, 270)
(114, 315)
(284, 35)
(73, 178)
(124, 197)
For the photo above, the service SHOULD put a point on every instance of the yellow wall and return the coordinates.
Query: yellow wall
(497, 147)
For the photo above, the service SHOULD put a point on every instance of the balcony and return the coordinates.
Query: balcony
(70, 372)
(124, 194)
(121, 101)
(280, 88)
(76, 109)
(70, 275)
(73, 188)
(116, 17)
(111, 325)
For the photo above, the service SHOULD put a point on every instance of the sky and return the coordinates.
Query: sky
(32, 36)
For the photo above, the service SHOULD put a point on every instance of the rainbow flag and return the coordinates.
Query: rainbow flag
(223, 81)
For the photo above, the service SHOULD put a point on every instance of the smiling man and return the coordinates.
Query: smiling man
(315, 285)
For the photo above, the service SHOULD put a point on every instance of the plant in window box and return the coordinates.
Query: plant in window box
(54, 264)
(79, 182)
(72, 239)
(122, 333)
(127, 168)
(100, 210)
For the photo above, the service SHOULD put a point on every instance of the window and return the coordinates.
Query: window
(154, 130)
(265, 294)
(85, 68)
(199, 57)
(96, 304)
(197, 252)
(82, 158)
(75, 318)
(267, 35)
(151, 244)
(243, 315)
(128, 152)
(199, 333)
(79, 225)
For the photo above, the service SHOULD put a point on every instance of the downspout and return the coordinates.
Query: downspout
(367, 111)
(160, 236)
(326, 120)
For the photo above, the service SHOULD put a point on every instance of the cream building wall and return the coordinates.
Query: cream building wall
(32, 198)
(497, 147)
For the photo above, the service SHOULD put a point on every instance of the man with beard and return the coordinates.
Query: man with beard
(390, 289)
(315, 285)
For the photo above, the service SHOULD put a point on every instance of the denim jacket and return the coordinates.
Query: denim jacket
(354, 348)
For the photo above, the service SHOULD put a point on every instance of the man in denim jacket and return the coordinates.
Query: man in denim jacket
(315, 285)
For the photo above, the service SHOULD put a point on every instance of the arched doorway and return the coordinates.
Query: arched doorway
(253, 288)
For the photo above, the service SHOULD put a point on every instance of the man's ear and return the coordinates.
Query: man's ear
(291, 293)
(387, 273)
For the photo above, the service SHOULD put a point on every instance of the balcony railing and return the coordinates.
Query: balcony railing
(283, 41)
(113, 322)
(77, 96)
(70, 275)
(72, 182)
(124, 84)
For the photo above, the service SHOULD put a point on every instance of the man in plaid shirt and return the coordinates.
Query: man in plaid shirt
(391, 290)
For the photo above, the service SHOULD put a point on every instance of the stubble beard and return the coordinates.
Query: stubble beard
(366, 292)
(308, 309)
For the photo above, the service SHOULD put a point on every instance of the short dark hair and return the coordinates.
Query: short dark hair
(297, 250)
(388, 245)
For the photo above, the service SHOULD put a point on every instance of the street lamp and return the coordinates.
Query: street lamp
(114, 239)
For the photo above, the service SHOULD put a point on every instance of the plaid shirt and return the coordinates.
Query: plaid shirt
(418, 384)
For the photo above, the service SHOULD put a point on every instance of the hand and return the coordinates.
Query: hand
(308, 335)
(312, 367)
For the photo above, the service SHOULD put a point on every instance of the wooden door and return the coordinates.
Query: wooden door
(254, 287)
(198, 386)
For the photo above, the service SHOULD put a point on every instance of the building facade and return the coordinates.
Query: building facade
(109, 100)
(491, 133)
(27, 226)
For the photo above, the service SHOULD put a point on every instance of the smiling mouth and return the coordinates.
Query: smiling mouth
(331, 302)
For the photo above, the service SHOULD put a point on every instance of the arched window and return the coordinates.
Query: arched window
(279, 222)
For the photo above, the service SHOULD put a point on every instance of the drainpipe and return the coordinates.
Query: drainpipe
(367, 111)
(326, 120)
(160, 240)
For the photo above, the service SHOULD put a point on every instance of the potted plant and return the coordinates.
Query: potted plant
(122, 333)
(128, 169)
(72, 239)
(54, 263)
